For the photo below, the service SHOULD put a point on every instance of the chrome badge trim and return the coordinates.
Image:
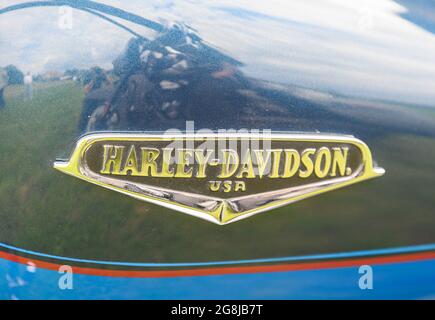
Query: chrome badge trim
(293, 167)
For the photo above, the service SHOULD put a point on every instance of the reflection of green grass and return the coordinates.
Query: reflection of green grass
(33, 132)
(44, 210)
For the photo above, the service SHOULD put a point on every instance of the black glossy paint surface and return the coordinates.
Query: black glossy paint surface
(252, 67)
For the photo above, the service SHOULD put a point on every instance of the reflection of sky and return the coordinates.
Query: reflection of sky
(420, 12)
(350, 47)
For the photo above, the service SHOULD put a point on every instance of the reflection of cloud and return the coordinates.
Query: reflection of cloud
(317, 44)
(37, 43)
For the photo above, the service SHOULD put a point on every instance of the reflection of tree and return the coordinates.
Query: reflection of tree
(72, 72)
(15, 76)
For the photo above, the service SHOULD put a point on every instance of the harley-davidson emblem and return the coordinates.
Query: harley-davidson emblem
(220, 178)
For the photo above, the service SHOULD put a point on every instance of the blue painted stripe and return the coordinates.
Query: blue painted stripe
(411, 280)
(353, 254)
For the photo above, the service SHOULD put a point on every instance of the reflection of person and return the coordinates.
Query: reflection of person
(174, 78)
(98, 90)
(94, 79)
(3, 83)
(171, 79)
(28, 85)
(102, 119)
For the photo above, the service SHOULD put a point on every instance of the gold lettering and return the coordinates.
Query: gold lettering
(230, 163)
(262, 162)
(149, 165)
(182, 162)
(239, 185)
(246, 167)
(307, 162)
(292, 162)
(323, 155)
(214, 185)
(339, 161)
(202, 162)
(227, 186)
(276, 161)
(321, 162)
(167, 171)
(112, 158)
(131, 163)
